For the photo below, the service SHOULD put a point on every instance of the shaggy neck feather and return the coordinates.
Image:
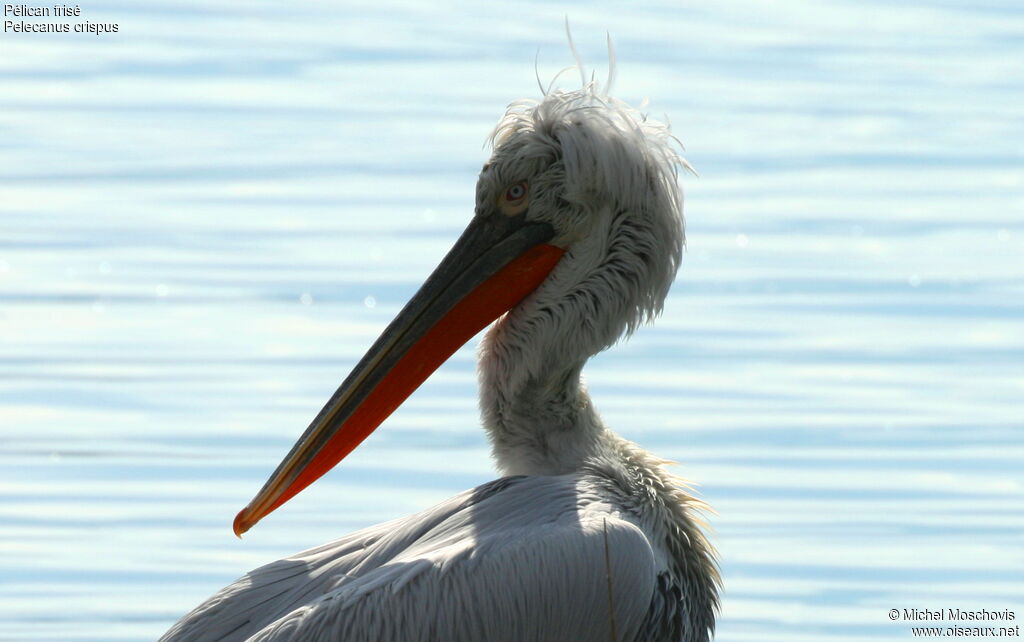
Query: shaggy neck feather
(535, 408)
(545, 425)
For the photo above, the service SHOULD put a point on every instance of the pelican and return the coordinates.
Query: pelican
(576, 238)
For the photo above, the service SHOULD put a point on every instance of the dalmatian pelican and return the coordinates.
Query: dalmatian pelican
(576, 238)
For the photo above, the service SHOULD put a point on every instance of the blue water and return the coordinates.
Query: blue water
(206, 218)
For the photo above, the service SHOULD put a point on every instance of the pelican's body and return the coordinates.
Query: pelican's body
(587, 537)
(520, 558)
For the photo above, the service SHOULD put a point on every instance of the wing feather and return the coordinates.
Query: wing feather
(517, 559)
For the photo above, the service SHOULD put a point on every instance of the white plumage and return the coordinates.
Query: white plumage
(588, 537)
(468, 569)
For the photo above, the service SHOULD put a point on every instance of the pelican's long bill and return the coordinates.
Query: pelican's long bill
(496, 262)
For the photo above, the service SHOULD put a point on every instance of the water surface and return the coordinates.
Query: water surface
(207, 218)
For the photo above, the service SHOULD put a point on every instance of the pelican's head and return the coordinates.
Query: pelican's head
(574, 156)
(578, 219)
(604, 177)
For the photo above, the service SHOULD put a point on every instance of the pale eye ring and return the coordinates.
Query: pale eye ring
(516, 192)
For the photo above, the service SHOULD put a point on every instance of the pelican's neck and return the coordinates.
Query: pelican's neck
(535, 408)
(539, 424)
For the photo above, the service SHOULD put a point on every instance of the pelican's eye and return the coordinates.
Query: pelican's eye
(515, 192)
(514, 200)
